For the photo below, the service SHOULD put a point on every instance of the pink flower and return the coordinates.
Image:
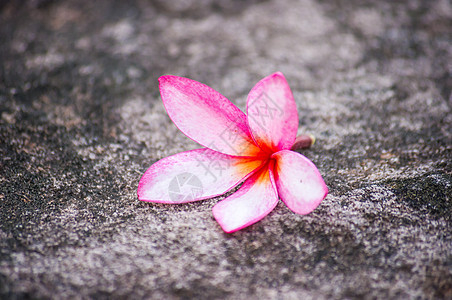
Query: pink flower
(252, 148)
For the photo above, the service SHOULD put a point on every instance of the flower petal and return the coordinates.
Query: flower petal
(194, 175)
(272, 113)
(300, 185)
(206, 116)
(255, 199)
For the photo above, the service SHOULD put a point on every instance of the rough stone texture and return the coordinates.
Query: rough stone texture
(81, 120)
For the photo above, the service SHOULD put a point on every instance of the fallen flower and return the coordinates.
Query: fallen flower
(254, 148)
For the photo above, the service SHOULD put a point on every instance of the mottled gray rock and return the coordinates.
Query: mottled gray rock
(81, 120)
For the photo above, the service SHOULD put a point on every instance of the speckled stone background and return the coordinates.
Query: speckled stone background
(81, 120)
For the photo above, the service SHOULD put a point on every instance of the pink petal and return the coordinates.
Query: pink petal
(299, 183)
(255, 199)
(194, 175)
(206, 116)
(272, 113)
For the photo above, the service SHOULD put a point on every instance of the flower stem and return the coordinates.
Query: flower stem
(303, 141)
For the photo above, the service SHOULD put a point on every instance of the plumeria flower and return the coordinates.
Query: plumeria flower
(254, 149)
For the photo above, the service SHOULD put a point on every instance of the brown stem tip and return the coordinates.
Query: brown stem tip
(303, 141)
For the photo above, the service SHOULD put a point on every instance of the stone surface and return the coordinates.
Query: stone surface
(81, 120)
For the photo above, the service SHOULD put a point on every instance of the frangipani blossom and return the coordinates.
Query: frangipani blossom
(254, 149)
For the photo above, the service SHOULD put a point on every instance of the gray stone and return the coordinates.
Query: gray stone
(81, 120)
